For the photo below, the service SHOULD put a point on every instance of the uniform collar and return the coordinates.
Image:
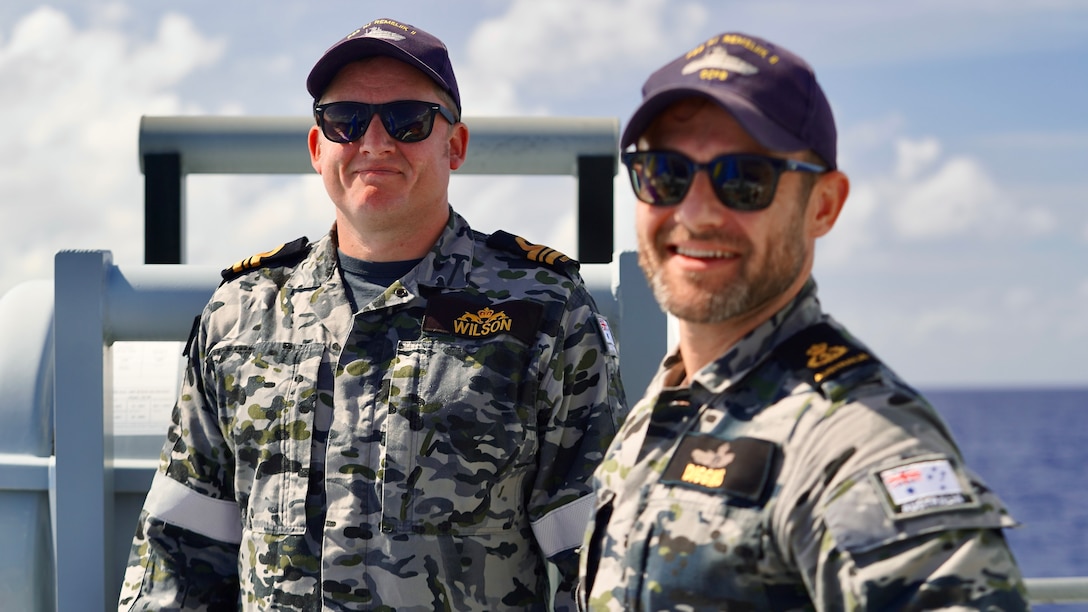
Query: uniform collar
(802, 311)
(446, 265)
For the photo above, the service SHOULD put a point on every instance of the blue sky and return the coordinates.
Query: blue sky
(959, 256)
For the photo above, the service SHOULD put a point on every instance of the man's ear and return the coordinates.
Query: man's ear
(458, 145)
(312, 140)
(826, 200)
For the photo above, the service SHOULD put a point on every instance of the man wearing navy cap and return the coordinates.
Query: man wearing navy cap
(774, 463)
(403, 415)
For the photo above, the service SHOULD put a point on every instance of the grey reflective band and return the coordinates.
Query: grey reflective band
(563, 528)
(177, 504)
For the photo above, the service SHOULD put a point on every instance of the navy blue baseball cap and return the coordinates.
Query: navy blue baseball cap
(770, 91)
(389, 38)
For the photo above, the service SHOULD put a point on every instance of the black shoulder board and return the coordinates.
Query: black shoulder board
(284, 254)
(533, 252)
(822, 353)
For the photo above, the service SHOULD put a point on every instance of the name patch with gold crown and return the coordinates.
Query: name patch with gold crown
(462, 316)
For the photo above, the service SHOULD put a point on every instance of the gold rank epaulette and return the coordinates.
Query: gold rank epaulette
(533, 252)
(821, 354)
(284, 254)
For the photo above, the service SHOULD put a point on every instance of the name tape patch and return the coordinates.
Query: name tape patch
(469, 318)
(740, 468)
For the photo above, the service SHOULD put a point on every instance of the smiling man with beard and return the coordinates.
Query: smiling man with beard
(774, 463)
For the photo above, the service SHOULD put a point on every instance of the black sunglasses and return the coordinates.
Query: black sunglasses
(404, 120)
(741, 181)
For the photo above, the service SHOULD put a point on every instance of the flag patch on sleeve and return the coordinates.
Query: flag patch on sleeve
(925, 486)
(606, 333)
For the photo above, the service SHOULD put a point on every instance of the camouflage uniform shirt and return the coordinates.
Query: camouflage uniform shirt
(795, 473)
(426, 453)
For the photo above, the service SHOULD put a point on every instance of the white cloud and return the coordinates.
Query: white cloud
(915, 156)
(960, 198)
(838, 33)
(908, 189)
(957, 197)
(947, 322)
(537, 53)
(68, 137)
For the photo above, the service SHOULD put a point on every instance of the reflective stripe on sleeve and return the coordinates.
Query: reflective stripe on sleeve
(564, 528)
(177, 504)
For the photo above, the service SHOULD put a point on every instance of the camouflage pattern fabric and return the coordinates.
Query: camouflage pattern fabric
(793, 476)
(426, 453)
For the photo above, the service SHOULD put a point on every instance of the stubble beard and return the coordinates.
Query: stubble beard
(704, 301)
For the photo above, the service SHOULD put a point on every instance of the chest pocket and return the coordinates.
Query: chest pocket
(703, 528)
(267, 393)
(460, 436)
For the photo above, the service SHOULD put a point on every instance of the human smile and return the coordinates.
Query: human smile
(703, 253)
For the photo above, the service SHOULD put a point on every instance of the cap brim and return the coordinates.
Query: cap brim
(764, 130)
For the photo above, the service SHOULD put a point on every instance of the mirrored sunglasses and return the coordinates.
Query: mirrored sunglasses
(744, 182)
(404, 120)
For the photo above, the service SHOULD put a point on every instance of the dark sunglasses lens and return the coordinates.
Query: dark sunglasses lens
(408, 121)
(344, 122)
(660, 179)
(743, 183)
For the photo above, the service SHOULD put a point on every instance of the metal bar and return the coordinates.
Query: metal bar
(595, 196)
(134, 475)
(156, 302)
(26, 369)
(83, 432)
(164, 208)
(277, 145)
(24, 472)
(643, 337)
(172, 147)
(1057, 590)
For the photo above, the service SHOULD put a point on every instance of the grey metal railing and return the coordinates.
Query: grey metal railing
(172, 147)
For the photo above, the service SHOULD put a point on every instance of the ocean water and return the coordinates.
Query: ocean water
(1031, 446)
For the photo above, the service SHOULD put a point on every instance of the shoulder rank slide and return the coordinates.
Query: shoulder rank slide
(822, 353)
(281, 255)
(533, 252)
